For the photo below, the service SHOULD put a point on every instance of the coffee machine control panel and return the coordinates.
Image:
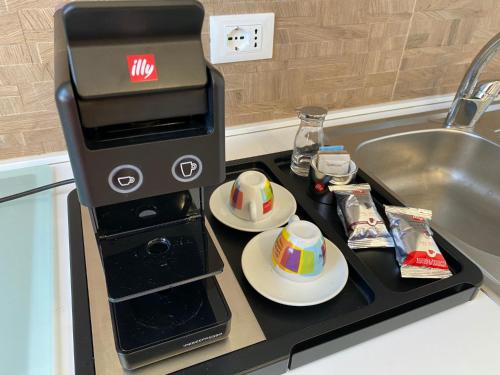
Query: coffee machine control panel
(128, 178)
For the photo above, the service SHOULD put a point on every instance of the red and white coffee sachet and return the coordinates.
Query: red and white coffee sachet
(416, 251)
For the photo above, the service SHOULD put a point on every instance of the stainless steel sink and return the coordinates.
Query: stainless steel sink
(454, 173)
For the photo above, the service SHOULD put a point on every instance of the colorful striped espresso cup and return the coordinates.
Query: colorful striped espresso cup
(299, 251)
(251, 196)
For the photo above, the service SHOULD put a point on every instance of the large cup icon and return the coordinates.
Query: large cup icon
(187, 168)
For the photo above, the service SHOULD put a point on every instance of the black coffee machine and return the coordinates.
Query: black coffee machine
(143, 117)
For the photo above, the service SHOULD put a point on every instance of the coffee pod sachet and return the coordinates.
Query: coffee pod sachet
(362, 222)
(416, 251)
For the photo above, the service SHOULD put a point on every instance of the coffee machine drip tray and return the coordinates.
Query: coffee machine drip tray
(157, 259)
(171, 321)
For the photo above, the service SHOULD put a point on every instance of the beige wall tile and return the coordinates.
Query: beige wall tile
(425, 5)
(443, 39)
(334, 53)
(9, 141)
(37, 25)
(9, 91)
(37, 19)
(317, 33)
(50, 140)
(291, 51)
(29, 73)
(382, 61)
(45, 52)
(15, 5)
(13, 145)
(28, 121)
(13, 54)
(3, 7)
(37, 96)
(10, 29)
(10, 105)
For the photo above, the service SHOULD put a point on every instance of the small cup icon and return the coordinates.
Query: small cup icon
(126, 181)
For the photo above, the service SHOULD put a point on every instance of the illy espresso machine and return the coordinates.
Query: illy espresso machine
(143, 118)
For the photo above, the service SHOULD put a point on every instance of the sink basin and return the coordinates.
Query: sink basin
(453, 173)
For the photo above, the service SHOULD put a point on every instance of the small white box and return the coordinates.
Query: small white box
(334, 164)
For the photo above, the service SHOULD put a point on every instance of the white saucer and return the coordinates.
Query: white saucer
(258, 269)
(283, 208)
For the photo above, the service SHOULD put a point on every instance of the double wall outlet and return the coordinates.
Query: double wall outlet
(241, 37)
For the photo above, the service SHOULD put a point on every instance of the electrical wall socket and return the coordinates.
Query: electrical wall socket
(241, 37)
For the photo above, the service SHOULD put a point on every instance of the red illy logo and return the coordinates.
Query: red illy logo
(142, 68)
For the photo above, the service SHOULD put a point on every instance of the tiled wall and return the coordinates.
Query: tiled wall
(336, 53)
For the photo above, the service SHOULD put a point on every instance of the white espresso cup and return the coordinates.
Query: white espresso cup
(251, 196)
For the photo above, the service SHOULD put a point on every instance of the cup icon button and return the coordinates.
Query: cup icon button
(125, 179)
(187, 168)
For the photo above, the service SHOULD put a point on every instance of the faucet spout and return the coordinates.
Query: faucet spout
(472, 100)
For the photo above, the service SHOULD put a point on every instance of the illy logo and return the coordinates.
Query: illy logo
(142, 68)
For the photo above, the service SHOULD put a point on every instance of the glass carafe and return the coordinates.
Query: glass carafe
(308, 140)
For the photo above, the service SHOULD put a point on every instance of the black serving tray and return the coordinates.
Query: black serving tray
(375, 299)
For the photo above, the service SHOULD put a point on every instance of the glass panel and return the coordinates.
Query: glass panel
(157, 259)
(27, 316)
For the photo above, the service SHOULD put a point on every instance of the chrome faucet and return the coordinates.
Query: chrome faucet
(473, 98)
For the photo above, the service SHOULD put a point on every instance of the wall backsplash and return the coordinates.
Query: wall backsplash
(335, 53)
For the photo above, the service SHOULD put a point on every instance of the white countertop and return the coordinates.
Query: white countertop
(462, 340)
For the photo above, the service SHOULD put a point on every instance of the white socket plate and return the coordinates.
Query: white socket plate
(220, 26)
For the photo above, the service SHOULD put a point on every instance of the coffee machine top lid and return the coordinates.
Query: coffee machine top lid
(125, 48)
